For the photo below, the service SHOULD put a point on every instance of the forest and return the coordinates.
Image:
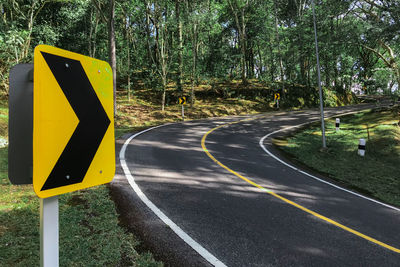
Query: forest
(156, 43)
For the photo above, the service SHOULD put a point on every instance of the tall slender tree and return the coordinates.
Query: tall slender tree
(112, 57)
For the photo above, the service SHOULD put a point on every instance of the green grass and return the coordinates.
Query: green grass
(3, 119)
(141, 113)
(90, 234)
(376, 174)
(89, 231)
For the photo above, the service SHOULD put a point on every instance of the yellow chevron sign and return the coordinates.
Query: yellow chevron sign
(182, 100)
(73, 122)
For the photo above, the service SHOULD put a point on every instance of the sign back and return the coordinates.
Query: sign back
(20, 124)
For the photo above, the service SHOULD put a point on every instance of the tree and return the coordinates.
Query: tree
(179, 82)
(383, 17)
(158, 13)
(110, 21)
(16, 26)
(239, 9)
(214, 39)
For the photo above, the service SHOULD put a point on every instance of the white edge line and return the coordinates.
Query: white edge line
(310, 175)
(184, 236)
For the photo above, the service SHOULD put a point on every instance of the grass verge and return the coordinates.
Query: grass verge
(376, 174)
(90, 234)
(140, 113)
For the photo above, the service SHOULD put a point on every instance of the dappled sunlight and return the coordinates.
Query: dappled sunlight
(311, 197)
(303, 196)
(312, 250)
(173, 170)
(221, 186)
(237, 146)
(168, 146)
(226, 183)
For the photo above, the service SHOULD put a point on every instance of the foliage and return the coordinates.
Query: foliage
(272, 40)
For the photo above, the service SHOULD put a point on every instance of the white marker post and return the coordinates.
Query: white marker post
(361, 147)
(49, 232)
(183, 112)
(337, 124)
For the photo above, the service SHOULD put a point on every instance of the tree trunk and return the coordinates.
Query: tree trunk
(389, 60)
(129, 67)
(32, 16)
(90, 34)
(112, 51)
(194, 59)
(241, 28)
(272, 65)
(279, 48)
(148, 36)
(327, 71)
(308, 73)
(301, 59)
(93, 32)
(250, 66)
(334, 54)
(299, 21)
(179, 84)
(260, 66)
(246, 60)
(162, 50)
(164, 82)
(242, 34)
(94, 47)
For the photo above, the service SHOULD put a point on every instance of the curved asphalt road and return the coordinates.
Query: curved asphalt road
(238, 223)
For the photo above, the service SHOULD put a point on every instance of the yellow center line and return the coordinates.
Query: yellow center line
(203, 145)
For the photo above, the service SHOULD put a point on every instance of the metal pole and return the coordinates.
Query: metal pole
(49, 232)
(321, 101)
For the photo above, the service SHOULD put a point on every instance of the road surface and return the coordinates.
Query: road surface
(215, 182)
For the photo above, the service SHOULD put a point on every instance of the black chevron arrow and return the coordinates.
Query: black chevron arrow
(78, 154)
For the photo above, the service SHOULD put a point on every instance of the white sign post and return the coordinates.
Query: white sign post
(49, 232)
